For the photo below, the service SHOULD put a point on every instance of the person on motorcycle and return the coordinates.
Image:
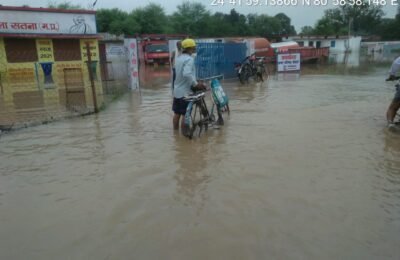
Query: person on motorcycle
(395, 104)
(185, 82)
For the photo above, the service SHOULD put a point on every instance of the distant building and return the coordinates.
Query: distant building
(342, 49)
(114, 65)
(382, 51)
(336, 44)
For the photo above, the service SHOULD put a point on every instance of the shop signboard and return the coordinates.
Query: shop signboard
(288, 62)
(42, 22)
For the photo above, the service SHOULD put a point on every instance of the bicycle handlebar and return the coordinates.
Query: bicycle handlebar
(248, 58)
(194, 96)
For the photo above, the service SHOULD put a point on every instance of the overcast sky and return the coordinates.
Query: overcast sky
(301, 14)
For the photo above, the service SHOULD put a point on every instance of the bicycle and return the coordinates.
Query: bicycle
(251, 66)
(197, 114)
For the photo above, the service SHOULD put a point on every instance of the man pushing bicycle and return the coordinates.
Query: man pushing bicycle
(185, 81)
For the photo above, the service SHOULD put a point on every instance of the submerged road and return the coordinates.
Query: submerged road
(303, 169)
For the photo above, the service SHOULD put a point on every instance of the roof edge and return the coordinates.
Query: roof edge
(48, 10)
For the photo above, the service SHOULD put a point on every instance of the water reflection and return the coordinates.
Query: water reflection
(391, 164)
(337, 69)
(387, 183)
(192, 175)
(307, 157)
(98, 149)
(154, 76)
(245, 92)
(287, 76)
(349, 59)
(392, 142)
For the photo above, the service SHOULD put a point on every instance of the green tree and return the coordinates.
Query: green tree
(332, 23)
(218, 26)
(362, 19)
(285, 21)
(238, 24)
(150, 19)
(398, 12)
(105, 17)
(264, 25)
(191, 18)
(64, 5)
(359, 19)
(116, 22)
(232, 24)
(307, 30)
(389, 29)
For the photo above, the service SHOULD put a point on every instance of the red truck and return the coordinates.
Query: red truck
(155, 49)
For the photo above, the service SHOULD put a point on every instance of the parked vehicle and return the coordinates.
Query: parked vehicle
(251, 66)
(154, 48)
(155, 51)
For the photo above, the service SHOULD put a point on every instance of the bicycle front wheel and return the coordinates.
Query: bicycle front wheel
(193, 119)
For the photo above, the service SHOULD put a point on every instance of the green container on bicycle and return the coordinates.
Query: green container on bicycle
(218, 94)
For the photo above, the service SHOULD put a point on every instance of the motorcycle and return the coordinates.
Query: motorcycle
(251, 66)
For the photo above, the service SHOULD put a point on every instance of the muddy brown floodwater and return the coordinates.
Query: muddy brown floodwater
(303, 169)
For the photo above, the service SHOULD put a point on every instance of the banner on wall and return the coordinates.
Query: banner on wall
(47, 70)
(46, 59)
(13, 21)
(133, 62)
(288, 62)
(93, 49)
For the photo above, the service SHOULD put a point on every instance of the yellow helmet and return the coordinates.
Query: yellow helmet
(188, 43)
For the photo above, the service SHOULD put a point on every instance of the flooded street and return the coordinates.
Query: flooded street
(304, 168)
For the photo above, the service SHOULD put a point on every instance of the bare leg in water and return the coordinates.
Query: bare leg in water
(392, 111)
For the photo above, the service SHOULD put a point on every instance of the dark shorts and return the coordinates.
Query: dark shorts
(179, 106)
(397, 95)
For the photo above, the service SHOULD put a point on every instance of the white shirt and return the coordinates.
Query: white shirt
(185, 75)
(176, 55)
(395, 67)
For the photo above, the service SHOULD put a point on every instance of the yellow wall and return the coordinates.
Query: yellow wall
(51, 94)
(4, 91)
(94, 54)
(29, 76)
(6, 99)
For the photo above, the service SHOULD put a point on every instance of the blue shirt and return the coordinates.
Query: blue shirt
(185, 75)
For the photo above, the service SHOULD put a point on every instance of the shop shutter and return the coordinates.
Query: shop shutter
(20, 50)
(66, 49)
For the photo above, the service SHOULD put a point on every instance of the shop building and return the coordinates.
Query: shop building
(45, 68)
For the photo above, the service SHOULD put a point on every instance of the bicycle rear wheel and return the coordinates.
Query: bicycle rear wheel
(245, 74)
(262, 73)
(265, 72)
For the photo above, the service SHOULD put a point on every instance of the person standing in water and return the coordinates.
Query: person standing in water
(184, 82)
